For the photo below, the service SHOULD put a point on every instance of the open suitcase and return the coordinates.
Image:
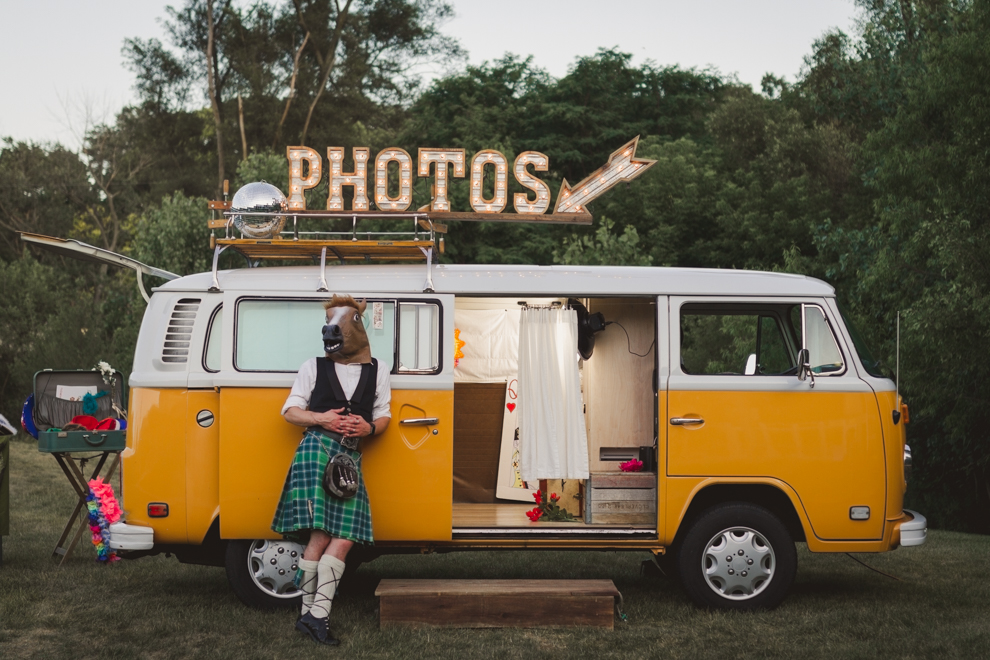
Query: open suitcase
(52, 412)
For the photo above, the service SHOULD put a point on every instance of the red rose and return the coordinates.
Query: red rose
(535, 514)
(554, 497)
(538, 496)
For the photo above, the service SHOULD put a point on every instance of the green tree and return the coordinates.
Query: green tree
(604, 248)
(47, 320)
(174, 236)
(931, 174)
(42, 190)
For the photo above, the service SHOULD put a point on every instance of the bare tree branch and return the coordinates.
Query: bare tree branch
(292, 90)
(325, 60)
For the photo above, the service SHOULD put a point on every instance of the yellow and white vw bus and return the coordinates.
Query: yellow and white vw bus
(760, 411)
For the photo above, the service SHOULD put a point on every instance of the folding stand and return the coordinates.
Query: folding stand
(75, 474)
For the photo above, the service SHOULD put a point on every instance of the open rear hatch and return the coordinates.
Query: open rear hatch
(68, 247)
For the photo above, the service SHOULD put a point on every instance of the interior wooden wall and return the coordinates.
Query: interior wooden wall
(477, 440)
(618, 386)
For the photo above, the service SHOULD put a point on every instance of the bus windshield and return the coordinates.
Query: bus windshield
(871, 364)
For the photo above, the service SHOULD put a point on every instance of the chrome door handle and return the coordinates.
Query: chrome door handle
(684, 421)
(420, 421)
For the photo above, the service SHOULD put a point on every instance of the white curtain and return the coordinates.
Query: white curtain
(551, 419)
(491, 345)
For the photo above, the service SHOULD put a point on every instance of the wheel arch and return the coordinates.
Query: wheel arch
(773, 497)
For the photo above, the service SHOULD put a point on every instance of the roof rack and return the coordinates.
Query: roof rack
(417, 241)
(420, 239)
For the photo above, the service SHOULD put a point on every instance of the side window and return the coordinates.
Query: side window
(279, 335)
(734, 340)
(824, 353)
(211, 361)
(773, 357)
(419, 337)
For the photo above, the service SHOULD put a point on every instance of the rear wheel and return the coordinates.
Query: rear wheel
(261, 573)
(737, 557)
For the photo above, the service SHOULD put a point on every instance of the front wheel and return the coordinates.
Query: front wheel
(737, 557)
(261, 573)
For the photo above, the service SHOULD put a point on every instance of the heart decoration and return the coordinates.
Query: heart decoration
(510, 406)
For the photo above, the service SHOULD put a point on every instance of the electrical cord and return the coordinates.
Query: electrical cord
(859, 561)
(629, 341)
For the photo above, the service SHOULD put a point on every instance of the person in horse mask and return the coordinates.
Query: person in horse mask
(342, 399)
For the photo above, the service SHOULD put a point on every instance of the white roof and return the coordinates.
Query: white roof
(498, 280)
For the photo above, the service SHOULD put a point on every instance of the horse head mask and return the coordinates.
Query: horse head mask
(344, 338)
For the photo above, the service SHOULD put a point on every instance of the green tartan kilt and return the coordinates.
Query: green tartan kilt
(304, 505)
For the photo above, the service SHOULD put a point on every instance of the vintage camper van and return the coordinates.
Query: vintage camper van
(759, 409)
(756, 412)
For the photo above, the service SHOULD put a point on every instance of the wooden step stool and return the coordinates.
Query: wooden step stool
(496, 603)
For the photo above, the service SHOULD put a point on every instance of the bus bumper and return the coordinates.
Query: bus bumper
(131, 537)
(915, 531)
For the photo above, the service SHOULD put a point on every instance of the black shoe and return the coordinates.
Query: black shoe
(317, 629)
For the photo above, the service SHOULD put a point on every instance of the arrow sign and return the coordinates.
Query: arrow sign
(622, 165)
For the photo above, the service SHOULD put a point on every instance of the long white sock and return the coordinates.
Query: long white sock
(329, 572)
(308, 584)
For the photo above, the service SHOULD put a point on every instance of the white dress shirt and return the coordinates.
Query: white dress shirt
(348, 375)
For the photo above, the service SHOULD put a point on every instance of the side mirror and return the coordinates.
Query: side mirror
(804, 366)
(750, 365)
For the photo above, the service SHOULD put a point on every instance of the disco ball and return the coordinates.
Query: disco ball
(259, 197)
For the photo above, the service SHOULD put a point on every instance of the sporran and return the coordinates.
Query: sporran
(340, 478)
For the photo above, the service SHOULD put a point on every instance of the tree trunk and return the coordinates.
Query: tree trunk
(292, 91)
(211, 80)
(326, 61)
(240, 120)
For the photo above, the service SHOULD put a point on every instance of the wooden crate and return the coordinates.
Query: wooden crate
(496, 603)
(621, 498)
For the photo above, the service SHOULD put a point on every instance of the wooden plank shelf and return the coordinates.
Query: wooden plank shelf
(344, 250)
(496, 603)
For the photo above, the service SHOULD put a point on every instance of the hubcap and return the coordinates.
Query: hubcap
(738, 563)
(272, 565)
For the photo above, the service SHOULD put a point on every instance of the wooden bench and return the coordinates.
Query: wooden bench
(496, 603)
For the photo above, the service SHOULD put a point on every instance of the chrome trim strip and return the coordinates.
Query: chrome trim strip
(420, 421)
(551, 530)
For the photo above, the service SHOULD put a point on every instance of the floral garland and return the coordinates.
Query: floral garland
(104, 510)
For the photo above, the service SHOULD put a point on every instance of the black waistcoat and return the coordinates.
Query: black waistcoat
(329, 395)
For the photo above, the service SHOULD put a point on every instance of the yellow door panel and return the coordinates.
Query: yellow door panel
(154, 463)
(827, 446)
(202, 461)
(408, 469)
(256, 449)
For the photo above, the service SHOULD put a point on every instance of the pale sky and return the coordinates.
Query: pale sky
(61, 59)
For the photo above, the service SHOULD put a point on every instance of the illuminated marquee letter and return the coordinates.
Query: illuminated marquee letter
(383, 200)
(540, 163)
(455, 157)
(358, 178)
(478, 201)
(297, 184)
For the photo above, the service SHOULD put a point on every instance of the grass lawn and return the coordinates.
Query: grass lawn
(158, 608)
